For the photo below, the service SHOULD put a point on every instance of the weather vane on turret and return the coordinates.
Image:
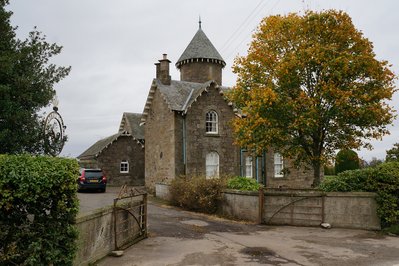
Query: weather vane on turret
(199, 21)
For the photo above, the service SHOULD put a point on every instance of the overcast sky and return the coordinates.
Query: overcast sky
(112, 47)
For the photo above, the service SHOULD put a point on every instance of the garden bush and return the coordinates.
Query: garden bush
(346, 160)
(197, 193)
(243, 183)
(38, 208)
(382, 179)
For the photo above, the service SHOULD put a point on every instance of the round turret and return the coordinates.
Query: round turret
(200, 62)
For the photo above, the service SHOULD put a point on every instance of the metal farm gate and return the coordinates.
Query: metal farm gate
(291, 207)
(130, 217)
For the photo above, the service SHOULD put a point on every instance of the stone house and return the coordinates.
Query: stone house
(187, 126)
(121, 156)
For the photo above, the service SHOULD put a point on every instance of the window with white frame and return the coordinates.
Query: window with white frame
(212, 165)
(248, 166)
(278, 165)
(211, 122)
(124, 168)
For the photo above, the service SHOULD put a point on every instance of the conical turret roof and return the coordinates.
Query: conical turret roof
(200, 48)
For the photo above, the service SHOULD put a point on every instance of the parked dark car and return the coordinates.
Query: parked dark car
(93, 179)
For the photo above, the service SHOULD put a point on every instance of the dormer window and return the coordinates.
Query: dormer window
(211, 122)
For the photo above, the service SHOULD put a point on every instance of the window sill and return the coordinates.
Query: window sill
(212, 135)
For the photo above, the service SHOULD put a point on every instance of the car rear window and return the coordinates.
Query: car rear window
(91, 174)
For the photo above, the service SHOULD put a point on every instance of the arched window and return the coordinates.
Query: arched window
(124, 167)
(212, 165)
(211, 122)
(278, 165)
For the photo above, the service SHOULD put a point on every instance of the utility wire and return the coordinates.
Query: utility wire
(244, 25)
(241, 25)
(229, 55)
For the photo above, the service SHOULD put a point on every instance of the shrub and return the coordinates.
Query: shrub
(243, 183)
(346, 160)
(38, 206)
(329, 170)
(393, 153)
(382, 179)
(197, 193)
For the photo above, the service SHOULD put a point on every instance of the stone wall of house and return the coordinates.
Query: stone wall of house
(159, 135)
(124, 148)
(294, 177)
(201, 72)
(199, 143)
(88, 163)
(179, 136)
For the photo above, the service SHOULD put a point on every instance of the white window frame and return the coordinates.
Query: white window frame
(124, 167)
(212, 165)
(278, 165)
(248, 167)
(212, 122)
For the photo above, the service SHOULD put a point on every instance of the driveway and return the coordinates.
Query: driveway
(178, 237)
(92, 200)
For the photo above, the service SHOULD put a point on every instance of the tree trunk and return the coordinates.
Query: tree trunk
(316, 174)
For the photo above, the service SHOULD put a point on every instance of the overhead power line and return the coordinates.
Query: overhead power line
(240, 27)
(254, 13)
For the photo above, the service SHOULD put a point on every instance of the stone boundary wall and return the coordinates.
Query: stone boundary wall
(96, 239)
(162, 191)
(357, 210)
(97, 235)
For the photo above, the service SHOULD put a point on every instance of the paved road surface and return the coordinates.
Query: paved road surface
(92, 200)
(183, 238)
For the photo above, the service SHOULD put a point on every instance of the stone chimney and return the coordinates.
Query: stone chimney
(162, 69)
(158, 69)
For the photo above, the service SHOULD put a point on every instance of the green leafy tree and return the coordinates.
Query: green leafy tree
(346, 160)
(26, 85)
(310, 85)
(393, 153)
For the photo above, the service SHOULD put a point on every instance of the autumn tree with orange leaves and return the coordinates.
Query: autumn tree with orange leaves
(311, 85)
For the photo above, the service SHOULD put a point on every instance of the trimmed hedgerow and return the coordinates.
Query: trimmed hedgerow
(197, 193)
(243, 183)
(38, 208)
(382, 179)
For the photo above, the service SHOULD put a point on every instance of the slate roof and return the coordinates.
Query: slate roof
(131, 123)
(129, 127)
(179, 95)
(200, 47)
(95, 149)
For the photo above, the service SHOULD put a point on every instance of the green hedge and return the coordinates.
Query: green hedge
(243, 183)
(382, 179)
(38, 208)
